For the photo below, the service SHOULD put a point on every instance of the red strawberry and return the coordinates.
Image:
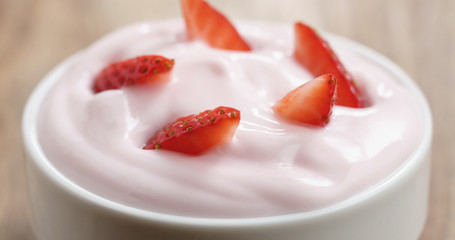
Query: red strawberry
(315, 54)
(135, 71)
(197, 133)
(311, 103)
(206, 23)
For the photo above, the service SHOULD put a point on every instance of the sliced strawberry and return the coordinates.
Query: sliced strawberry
(197, 133)
(135, 71)
(311, 103)
(315, 54)
(206, 23)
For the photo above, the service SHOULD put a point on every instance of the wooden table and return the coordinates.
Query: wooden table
(418, 35)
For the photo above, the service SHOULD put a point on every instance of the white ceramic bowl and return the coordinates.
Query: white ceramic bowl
(393, 209)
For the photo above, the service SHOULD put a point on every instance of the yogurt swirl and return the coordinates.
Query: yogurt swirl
(272, 166)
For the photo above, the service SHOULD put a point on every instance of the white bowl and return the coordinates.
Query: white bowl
(393, 209)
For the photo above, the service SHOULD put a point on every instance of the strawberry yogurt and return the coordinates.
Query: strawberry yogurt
(271, 167)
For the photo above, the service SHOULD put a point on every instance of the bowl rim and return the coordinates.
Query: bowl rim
(37, 156)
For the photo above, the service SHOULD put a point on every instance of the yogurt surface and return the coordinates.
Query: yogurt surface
(272, 166)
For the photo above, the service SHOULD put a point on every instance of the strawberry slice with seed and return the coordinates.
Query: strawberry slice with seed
(206, 23)
(197, 133)
(315, 54)
(310, 103)
(148, 69)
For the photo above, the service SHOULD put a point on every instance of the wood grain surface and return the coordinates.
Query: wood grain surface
(419, 35)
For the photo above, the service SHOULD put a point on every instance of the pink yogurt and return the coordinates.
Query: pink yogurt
(272, 166)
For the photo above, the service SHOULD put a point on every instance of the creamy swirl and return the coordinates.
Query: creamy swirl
(271, 167)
